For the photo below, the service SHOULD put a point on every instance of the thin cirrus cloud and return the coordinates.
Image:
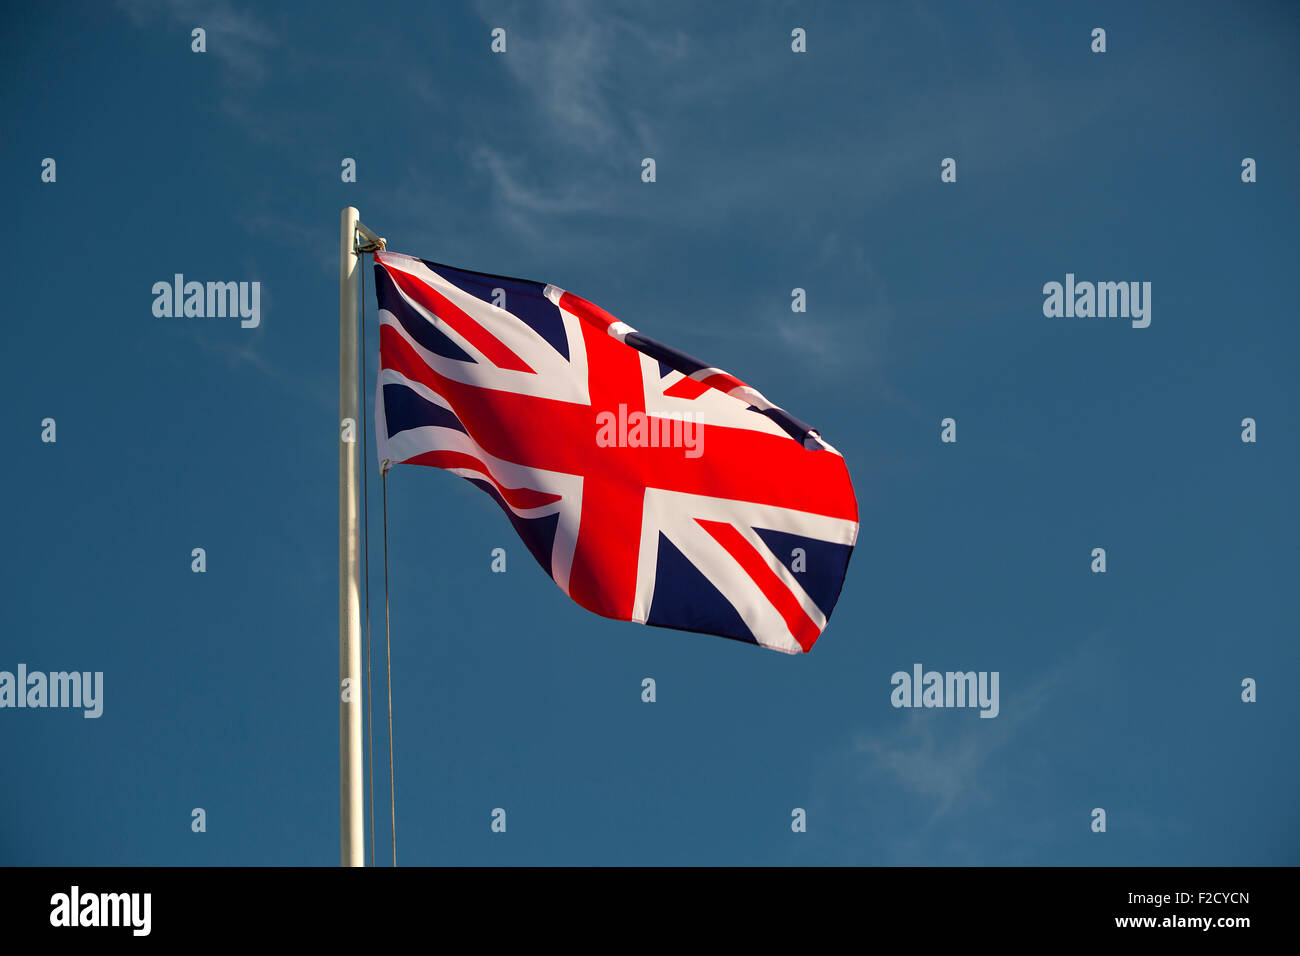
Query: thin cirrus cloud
(240, 40)
(947, 768)
(571, 61)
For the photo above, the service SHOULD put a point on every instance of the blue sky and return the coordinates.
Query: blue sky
(775, 170)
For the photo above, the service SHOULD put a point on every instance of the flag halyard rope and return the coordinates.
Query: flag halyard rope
(392, 774)
(365, 547)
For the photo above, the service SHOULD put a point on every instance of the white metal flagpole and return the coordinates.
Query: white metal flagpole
(352, 834)
(350, 760)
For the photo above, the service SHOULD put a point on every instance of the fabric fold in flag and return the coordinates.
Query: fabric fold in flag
(652, 487)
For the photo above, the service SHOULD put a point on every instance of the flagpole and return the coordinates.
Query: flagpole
(354, 239)
(350, 760)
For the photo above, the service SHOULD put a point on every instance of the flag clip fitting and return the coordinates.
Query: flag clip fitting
(367, 241)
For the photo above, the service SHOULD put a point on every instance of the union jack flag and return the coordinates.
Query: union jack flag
(528, 391)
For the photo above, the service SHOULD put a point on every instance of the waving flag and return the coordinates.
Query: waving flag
(651, 487)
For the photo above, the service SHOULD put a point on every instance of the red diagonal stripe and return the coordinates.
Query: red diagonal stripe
(493, 349)
(587, 311)
(686, 388)
(723, 382)
(521, 498)
(801, 626)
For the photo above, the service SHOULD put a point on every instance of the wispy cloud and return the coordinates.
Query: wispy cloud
(572, 61)
(315, 240)
(947, 768)
(237, 38)
(241, 349)
(576, 67)
(944, 769)
(526, 206)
